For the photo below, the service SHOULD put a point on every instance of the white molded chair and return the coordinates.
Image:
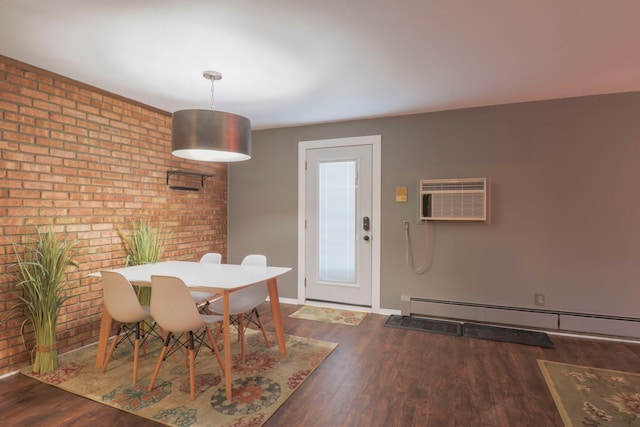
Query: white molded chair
(202, 298)
(173, 309)
(122, 303)
(243, 303)
(212, 257)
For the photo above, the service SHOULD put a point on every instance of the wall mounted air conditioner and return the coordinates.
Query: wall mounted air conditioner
(454, 199)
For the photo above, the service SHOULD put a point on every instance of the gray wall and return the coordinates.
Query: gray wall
(565, 205)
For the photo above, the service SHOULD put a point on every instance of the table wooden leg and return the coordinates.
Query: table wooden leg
(103, 338)
(277, 315)
(227, 344)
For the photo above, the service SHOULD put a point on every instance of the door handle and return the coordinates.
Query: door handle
(366, 238)
(366, 223)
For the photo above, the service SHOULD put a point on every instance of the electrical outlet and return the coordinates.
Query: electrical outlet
(539, 299)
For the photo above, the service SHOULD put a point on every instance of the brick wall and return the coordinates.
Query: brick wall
(88, 162)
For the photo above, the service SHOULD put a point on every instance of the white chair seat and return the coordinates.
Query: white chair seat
(211, 318)
(203, 297)
(243, 303)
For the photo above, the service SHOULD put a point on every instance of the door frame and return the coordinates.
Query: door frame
(375, 141)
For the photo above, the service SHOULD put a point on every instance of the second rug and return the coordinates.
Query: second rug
(331, 315)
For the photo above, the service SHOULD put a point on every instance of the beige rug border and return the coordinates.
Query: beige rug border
(250, 331)
(554, 392)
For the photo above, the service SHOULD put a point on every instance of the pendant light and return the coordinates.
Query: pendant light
(209, 135)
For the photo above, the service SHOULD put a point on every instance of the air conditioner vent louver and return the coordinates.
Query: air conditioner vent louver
(457, 185)
(453, 199)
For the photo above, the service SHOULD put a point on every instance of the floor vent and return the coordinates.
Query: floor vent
(471, 330)
(517, 336)
(426, 325)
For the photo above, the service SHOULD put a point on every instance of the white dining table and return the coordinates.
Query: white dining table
(222, 279)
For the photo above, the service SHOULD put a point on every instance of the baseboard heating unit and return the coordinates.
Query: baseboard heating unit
(565, 321)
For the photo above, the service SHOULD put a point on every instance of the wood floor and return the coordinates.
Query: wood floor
(376, 377)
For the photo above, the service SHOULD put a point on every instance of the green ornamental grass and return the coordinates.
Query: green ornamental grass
(144, 245)
(41, 267)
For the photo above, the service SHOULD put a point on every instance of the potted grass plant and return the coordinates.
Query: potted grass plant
(41, 268)
(144, 245)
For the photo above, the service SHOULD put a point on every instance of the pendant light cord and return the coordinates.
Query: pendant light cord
(212, 94)
(213, 76)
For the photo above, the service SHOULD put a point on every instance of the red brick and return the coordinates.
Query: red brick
(15, 98)
(34, 112)
(18, 137)
(18, 157)
(5, 105)
(48, 124)
(48, 106)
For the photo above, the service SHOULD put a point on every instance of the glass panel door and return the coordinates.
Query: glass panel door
(337, 222)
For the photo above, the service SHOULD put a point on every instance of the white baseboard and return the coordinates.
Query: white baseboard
(383, 311)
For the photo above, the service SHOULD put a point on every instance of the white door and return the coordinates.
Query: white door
(339, 224)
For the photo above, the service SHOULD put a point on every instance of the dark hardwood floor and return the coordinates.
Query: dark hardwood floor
(376, 377)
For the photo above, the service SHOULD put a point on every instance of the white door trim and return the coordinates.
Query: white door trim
(376, 144)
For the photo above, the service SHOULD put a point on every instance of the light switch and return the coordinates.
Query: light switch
(401, 194)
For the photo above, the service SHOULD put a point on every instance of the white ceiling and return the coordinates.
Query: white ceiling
(293, 62)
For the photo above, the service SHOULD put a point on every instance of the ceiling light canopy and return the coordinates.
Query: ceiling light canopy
(209, 135)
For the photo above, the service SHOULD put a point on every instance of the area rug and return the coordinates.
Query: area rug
(587, 396)
(260, 386)
(517, 336)
(424, 324)
(330, 315)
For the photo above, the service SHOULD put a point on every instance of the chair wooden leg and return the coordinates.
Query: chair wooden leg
(186, 358)
(241, 332)
(162, 334)
(111, 349)
(192, 368)
(264, 333)
(136, 350)
(157, 369)
(214, 344)
(144, 330)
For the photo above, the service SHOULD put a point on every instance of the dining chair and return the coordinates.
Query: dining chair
(122, 303)
(173, 309)
(212, 257)
(243, 303)
(202, 298)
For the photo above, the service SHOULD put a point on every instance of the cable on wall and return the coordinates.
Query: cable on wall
(428, 255)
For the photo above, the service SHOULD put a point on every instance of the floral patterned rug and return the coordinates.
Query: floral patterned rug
(260, 385)
(593, 397)
(331, 315)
